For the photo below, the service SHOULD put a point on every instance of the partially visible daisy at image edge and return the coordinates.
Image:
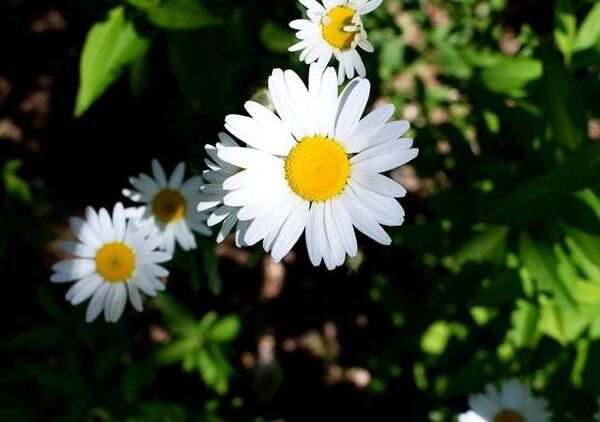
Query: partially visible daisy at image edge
(513, 402)
(113, 260)
(212, 193)
(170, 204)
(315, 167)
(334, 29)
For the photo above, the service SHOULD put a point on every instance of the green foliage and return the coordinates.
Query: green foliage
(109, 47)
(176, 14)
(200, 346)
(494, 274)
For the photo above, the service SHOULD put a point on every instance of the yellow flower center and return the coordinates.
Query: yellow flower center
(317, 168)
(508, 415)
(115, 262)
(168, 206)
(333, 24)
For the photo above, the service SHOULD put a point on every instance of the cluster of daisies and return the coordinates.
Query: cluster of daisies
(311, 164)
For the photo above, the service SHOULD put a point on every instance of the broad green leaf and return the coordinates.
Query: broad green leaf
(276, 38)
(564, 325)
(110, 46)
(13, 183)
(41, 339)
(511, 75)
(485, 246)
(565, 26)
(586, 292)
(542, 265)
(176, 14)
(589, 245)
(525, 319)
(588, 34)
(225, 329)
(564, 103)
(176, 351)
(577, 172)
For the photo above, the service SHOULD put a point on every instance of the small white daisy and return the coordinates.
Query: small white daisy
(334, 28)
(170, 204)
(212, 194)
(512, 403)
(316, 166)
(114, 258)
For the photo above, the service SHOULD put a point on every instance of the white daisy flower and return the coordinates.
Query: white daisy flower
(212, 194)
(334, 28)
(170, 204)
(113, 259)
(316, 166)
(512, 403)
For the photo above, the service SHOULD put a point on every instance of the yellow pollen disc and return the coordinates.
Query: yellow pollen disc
(508, 415)
(115, 262)
(168, 206)
(333, 25)
(317, 168)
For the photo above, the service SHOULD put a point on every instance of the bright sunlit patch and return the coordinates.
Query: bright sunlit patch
(317, 168)
(115, 262)
(168, 206)
(337, 27)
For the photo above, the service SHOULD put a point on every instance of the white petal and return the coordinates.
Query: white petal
(72, 269)
(159, 174)
(77, 249)
(249, 158)
(385, 161)
(290, 231)
(134, 296)
(369, 6)
(97, 303)
(378, 183)
(177, 176)
(352, 110)
(119, 300)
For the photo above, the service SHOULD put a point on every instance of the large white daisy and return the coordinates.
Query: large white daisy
(170, 204)
(513, 402)
(316, 166)
(334, 28)
(114, 258)
(213, 193)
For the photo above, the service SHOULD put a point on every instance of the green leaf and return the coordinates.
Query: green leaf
(39, 339)
(225, 329)
(13, 183)
(565, 26)
(276, 38)
(564, 103)
(176, 351)
(486, 246)
(588, 34)
(524, 320)
(176, 14)
(561, 324)
(542, 265)
(589, 245)
(511, 75)
(110, 46)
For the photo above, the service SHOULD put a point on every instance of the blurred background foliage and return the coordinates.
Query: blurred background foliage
(496, 272)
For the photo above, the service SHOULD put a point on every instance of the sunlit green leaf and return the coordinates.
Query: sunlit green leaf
(225, 329)
(110, 46)
(588, 34)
